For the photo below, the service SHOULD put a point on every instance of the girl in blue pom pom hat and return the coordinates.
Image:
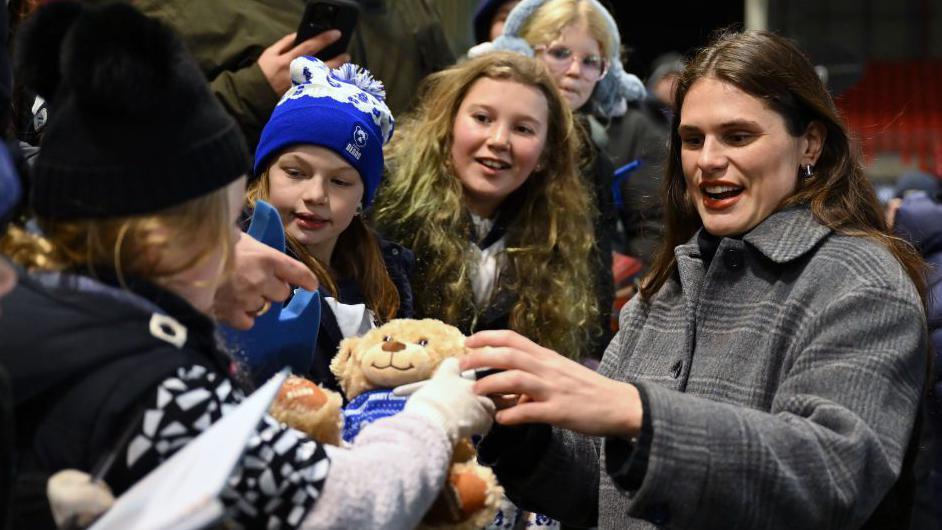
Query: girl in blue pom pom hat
(319, 162)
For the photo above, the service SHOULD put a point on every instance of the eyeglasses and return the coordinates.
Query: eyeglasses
(559, 58)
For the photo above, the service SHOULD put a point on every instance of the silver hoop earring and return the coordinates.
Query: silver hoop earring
(807, 171)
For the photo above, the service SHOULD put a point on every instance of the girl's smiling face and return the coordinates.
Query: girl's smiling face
(497, 140)
(317, 194)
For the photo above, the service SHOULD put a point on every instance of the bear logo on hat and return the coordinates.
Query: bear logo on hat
(359, 142)
(360, 136)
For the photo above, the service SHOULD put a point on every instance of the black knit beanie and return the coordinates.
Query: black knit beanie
(133, 127)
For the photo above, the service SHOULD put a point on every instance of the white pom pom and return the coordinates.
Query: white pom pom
(361, 78)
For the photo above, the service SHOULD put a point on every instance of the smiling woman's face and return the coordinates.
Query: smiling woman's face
(739, 160)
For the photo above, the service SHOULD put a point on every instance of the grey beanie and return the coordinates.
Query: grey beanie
(612, 91)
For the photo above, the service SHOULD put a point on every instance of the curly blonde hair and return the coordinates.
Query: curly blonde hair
(422, 204)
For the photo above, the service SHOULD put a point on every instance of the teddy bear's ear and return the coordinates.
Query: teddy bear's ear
(340, 364)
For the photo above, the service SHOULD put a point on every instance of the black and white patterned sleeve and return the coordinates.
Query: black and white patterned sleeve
(281, 474)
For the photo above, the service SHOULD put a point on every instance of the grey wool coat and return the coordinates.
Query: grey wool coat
(782, 385)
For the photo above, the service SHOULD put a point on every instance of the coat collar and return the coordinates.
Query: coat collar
(782, 237)
(787, 234)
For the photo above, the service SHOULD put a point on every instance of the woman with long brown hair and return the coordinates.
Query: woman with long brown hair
(770, 373)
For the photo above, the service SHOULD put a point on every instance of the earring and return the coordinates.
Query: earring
(806, 171)
(359, 210)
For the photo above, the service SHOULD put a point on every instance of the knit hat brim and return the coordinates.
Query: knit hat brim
(322, 123)
(60, 191)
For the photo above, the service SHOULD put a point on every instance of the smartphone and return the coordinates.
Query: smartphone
(322, 15)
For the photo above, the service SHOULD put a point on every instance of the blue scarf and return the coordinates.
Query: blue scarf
(369, 407)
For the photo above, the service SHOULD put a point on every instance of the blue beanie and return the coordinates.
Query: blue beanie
(343, 110)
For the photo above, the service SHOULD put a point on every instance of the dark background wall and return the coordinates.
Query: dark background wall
(871, 29)
(651, 28)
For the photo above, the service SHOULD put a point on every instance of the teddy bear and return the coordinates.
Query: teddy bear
(368, 368)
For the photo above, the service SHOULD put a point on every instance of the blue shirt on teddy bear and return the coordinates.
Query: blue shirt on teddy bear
(369, 407)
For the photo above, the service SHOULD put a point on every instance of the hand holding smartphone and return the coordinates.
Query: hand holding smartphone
(322, 15)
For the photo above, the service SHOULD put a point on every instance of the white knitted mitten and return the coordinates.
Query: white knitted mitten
(447, 399)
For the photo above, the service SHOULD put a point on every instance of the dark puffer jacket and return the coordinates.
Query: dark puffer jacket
(87, 360)
(919, 221)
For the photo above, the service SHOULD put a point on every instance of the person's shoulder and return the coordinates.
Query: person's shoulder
(54, 308)
(919, 221)
(69, 329)
(859, 261)
(396, 255)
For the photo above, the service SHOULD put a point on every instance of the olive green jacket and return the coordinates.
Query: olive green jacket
(400, 41)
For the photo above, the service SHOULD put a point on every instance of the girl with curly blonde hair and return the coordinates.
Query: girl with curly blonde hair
(484, 186)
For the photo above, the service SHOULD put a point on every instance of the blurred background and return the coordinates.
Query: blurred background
(880, 59)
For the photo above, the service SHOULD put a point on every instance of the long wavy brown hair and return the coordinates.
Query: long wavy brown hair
(357, 256)
(774, 69)
(549, 242)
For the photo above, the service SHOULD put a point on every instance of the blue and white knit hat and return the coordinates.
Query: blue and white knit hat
(342, 109)
(611, 93)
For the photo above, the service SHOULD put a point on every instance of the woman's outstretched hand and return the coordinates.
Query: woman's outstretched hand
(552, 388)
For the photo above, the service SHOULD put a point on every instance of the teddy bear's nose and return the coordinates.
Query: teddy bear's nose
(393, 346)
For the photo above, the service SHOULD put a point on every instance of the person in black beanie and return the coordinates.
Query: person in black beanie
(158, 129)
(137, 191)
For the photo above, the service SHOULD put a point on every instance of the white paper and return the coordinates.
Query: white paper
(353, 320)
(183, 493)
